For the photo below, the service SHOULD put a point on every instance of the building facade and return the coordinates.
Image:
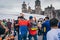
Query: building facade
(49, 11)
(24, 7)
(38, 7)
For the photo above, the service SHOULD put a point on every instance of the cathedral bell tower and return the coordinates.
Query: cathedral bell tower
(29, 9)
(24, 7)
(38, 7)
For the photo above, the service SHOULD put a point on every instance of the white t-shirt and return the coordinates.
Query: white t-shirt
(53, 34)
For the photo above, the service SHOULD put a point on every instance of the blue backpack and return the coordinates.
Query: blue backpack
(23, 30)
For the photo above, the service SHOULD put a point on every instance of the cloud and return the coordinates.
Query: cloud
(14, 6)
(9, 6)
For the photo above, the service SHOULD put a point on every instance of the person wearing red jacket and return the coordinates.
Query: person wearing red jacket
(23, 28)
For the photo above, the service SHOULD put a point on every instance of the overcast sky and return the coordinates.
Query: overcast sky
(14, 6)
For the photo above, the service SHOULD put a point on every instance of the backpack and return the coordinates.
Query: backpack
(2, 30)
(33, 28)
(23, 30)
(23, 27)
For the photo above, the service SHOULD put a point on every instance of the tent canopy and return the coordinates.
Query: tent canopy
(27, 15)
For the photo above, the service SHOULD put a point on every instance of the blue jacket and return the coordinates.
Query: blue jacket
(46, 27)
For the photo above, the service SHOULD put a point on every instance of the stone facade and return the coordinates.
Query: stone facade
(29, 10)
(38, 7)
(49, 11)
(58, 13)
(24, 7)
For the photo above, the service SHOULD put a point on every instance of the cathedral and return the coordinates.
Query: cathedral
(29, 10)
(49, 11)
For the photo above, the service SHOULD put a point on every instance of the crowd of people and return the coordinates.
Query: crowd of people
(48, 28)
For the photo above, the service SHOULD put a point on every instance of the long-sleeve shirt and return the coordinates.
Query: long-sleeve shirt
(53, 34)
(46, 27)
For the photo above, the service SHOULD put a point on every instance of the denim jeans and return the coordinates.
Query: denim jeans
(22, 37)
(44, 37)
(14, 31)
(30, 37)
(18, 35)
(22, 33)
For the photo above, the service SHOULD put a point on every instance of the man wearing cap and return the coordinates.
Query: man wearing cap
(32, 28)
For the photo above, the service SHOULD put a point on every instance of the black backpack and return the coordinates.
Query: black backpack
(2, 30)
